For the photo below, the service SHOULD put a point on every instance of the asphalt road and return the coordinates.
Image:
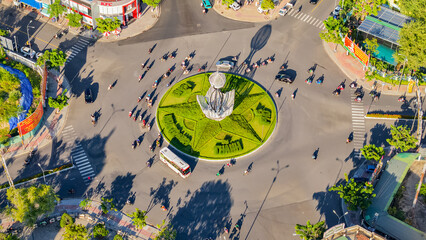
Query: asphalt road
(286, 185)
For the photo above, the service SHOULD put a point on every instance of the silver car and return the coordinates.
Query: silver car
(236, 6)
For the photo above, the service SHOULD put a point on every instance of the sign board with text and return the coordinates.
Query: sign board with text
(32, 121)
(356, 51)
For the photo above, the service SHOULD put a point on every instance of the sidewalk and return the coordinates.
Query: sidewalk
(115, 220)
(248, 13)
(354, 71)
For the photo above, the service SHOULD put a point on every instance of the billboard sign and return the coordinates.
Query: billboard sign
(31, 122)
(356, 51)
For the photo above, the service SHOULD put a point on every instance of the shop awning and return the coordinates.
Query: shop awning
(32, 3)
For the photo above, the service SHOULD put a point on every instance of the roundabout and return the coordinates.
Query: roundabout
(185, 127)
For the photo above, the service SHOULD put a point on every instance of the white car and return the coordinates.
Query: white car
(225, 64)
(236, 6)
(28, 52)
(283, 11)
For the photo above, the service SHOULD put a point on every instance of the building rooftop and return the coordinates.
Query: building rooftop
(355, 232)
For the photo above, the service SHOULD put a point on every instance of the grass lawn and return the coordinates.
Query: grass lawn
(184, 125)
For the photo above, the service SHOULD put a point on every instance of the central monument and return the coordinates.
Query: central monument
(217, 105)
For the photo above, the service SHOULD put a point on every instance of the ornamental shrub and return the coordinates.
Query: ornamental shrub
(184, 89)
(263, 114)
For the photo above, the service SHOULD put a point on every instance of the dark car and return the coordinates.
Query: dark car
(313, 1)
(88, 97)
(284, 77)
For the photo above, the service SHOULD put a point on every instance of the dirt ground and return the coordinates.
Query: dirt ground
(415, 217)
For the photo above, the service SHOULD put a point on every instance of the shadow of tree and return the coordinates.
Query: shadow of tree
(379, 133)
(206, 213)
(120, 189)
(327, 202)
(160, 195)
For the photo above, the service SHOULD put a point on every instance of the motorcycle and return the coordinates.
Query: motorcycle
(401, 99)
(358, 99)
(134, 145)
(353, 85)
(336, 92)
(148, 163)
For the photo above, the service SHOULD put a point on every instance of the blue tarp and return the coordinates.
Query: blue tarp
(32, 3)
(27, 95)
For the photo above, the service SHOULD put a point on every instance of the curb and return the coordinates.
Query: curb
(263, 19)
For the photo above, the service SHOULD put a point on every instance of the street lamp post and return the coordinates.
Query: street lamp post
(28, 34)
(340, 216)
(42, 172)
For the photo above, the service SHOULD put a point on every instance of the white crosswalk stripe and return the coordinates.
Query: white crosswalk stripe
(358, 125)
(306, 18)
(77, 48)
(78, 154)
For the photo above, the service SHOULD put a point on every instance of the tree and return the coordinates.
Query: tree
(166, 232)
(59, 102)
(413, 8)
(55, 9)
(334, 31)
(85, 203)
(412, 41)
(107, 205)
(54, 58)
(75, 232)
(363, 8)
(99, 231)
(310, 232)
(371, 152)
(402, 139)
(267, 4)
(27, 204)
(66, 220)
(139, 218)
(4, 33)
(152, 3)
(371, 45)
(118, 237)
(10, 236)
(356, 195)
(74, 19)
(227, 2)
(107, 24)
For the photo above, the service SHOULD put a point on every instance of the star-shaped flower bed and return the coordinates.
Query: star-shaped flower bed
(184, 125)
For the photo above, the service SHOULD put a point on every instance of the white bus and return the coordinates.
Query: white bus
(175, 163)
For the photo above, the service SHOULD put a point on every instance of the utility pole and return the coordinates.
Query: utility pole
(9, 179)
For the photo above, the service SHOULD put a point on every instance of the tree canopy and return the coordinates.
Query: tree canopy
(413, 8)
(4, 33)
(107, 24)
(227, 2)
(402, 139)
(371, 45)
(27, 204)
(310, 231)
(363, 8)
(152, 3)
(412, 41)
(267, 4)
(371, 152)
(99, 231)
(59, 102)
(75, 232)
(107, 205)
(139, 218)
(55, 58)
(55, 9)
(74, 19)
(356, 195)
(334, 30)
(166, 232)
(66, 220)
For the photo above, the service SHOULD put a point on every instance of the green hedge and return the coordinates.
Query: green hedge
(175, 131)
(190, 110)
(263, 114)
(68, 165)
(232, 147)
(184, 89)
(244, 102)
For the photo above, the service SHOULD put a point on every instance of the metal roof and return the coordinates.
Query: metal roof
(385, 25)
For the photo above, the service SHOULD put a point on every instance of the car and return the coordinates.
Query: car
(207, 4)
(336, 11)
(371, 168)
(284, 77)
(28, 52)
(236, 6)
(313, 2)
(360, 179)
(225, 64)
(88, 96)
(284, 10)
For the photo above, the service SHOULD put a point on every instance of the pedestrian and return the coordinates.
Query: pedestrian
(204, 11)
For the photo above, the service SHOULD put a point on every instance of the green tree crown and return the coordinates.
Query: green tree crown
(267, 4)
(139, 218)
(227, 2)
(152, 3)
(334, 30)
(99, 231)
(402, 139)
(107, 24)
(4, 33)
(363, 8)
(85, 203)
(118, 237)
(107, 205)
(371, 45)
(310, 231)
(356, 195)
(55, 9)
(412, 41)
(166, 232)
(54, 58)
(60, 101)
(371, 152)
(74, 19)
(413, 8)
(66, 220)
(27, 204)
(75, 232)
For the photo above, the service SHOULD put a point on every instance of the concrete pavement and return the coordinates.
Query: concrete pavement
(248, 12)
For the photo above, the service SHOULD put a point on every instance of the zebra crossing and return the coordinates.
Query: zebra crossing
(78, 155)
(358, 124)
(76, 48)
(306, 18)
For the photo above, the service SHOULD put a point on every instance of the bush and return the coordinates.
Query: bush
(175, 131)
(184, 89)
(66, 220)
(223, 149)
(263, 114)
(118, 237)
(397, 213)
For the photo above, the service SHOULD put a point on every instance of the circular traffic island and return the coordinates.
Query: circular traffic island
(185, 126)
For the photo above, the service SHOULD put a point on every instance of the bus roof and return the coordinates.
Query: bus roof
(175, 159)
